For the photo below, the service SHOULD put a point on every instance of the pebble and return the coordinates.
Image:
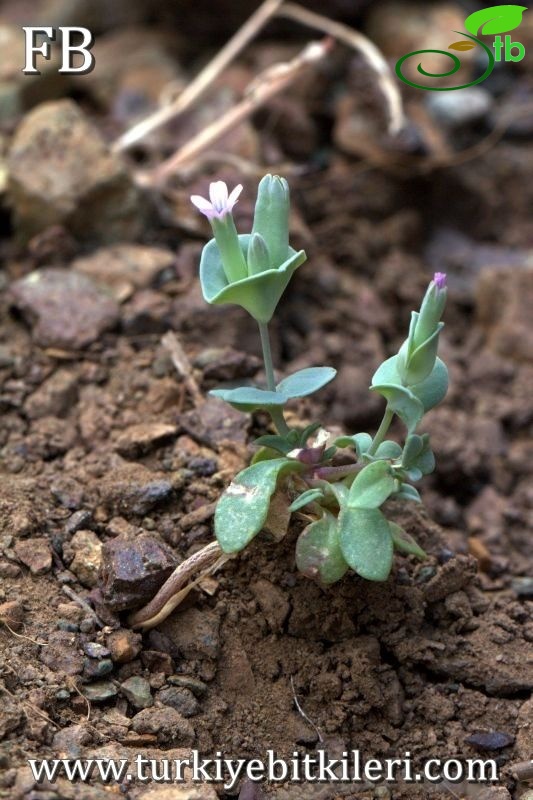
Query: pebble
(196, 686)
(125, 267)
(64, 309)
(166, 723)
(34, 553)
(133, 570)
(12, 613)
(182, 700)
(137, 691)
(133, 489)
(93, 668)
(95, 650)
(80, 184)
(66, 625)
(455, 109)
(100, 691)
(79, 520)
(124, 645)
(523, 586)
(138, 439)
(62, 653)
(493, 740)
(87, 549)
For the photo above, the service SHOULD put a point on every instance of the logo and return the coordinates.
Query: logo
(487, 22)
(68, 49)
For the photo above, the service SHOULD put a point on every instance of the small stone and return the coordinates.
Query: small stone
(100, 691)
(148, 311)
(12, 614)
(66, 625)
(138, 439)
(134, 489)
(455, 109)
(95, 650)
(68, 492)
(124, 645)
(17, 506)
(69, 741)
(93, 668)
(492, 740)
(87, 549)
(182, 700)
(133, 570)
(137, 691)
(125, 267)
(62, 653)
(79, 520)
(65, 309)
(166, 723)
(54, 397)
(198, 687)
(34, 553)
(80, 184)
(523, 586)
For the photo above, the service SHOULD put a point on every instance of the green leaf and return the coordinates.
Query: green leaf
(496, 19)
(403, 402)
(318, 552)
(411, 451)
(302, 436)
(305, 381)
(404, 542)
(413, 473)
(407, 492)
(273, 442)
(372, 486)
(360, 441)
(243, 507)
(249, 398)
(341, 492)
(420, 363)
(388, 449)
(429, 391)
(264, 454)
(366, 542)
(307, 497)
(258, 294)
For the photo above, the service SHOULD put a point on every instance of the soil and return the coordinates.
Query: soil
(102, 442)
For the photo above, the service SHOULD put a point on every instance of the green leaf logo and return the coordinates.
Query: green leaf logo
(496, 19)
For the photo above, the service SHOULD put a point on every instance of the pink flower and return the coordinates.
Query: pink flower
(219, 203)
(439, 279)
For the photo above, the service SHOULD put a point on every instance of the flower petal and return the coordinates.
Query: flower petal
(218, 194)
(234, 196)
(203, 205)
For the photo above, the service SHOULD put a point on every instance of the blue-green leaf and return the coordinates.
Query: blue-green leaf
(274, 442)
(495, 19)
(407, 492)
(318, 553)
(429, 391)
(372, 486)
(243, 507)
(404, 542)
(360, 441)
(249, 398)
(388, 449)
(305, 381)
(412, 449)
(366, 542)
(307, 497)
(301, 437)
(403, 402)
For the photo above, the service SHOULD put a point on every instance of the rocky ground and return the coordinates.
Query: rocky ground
(111, 464)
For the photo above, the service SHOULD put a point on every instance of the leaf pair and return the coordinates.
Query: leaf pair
(300, 384)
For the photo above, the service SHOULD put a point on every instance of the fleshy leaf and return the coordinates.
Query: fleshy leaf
(318, 553)
(305, 381)
(360, 441)
(249, 398)
(302, 436)
(388, 449)
(273, 442)
(429, 391)
(403, 402)
(258, 294)
(408, 492)
(366, 542)
(307, 497)
(404, 542)
(372, 486)
(243, 507)
(495, 19)
(411, 451)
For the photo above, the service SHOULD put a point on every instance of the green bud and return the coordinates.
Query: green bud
(418, 353)
(430, 313)
(227, 240)
(271, 218)
(258, 255)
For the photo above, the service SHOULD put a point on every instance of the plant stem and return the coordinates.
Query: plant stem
(382, 430)
(275, 413)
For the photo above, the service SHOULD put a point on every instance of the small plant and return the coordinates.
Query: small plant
(347, 528)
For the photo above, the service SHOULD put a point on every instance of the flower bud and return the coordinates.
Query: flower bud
(417, 355)
(258, 255)
(230, 249)
(271, 218)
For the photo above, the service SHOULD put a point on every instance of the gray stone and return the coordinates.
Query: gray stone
(182, 700)
(166, 723)
(100, 691)
(137, 691)
(65, 309)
